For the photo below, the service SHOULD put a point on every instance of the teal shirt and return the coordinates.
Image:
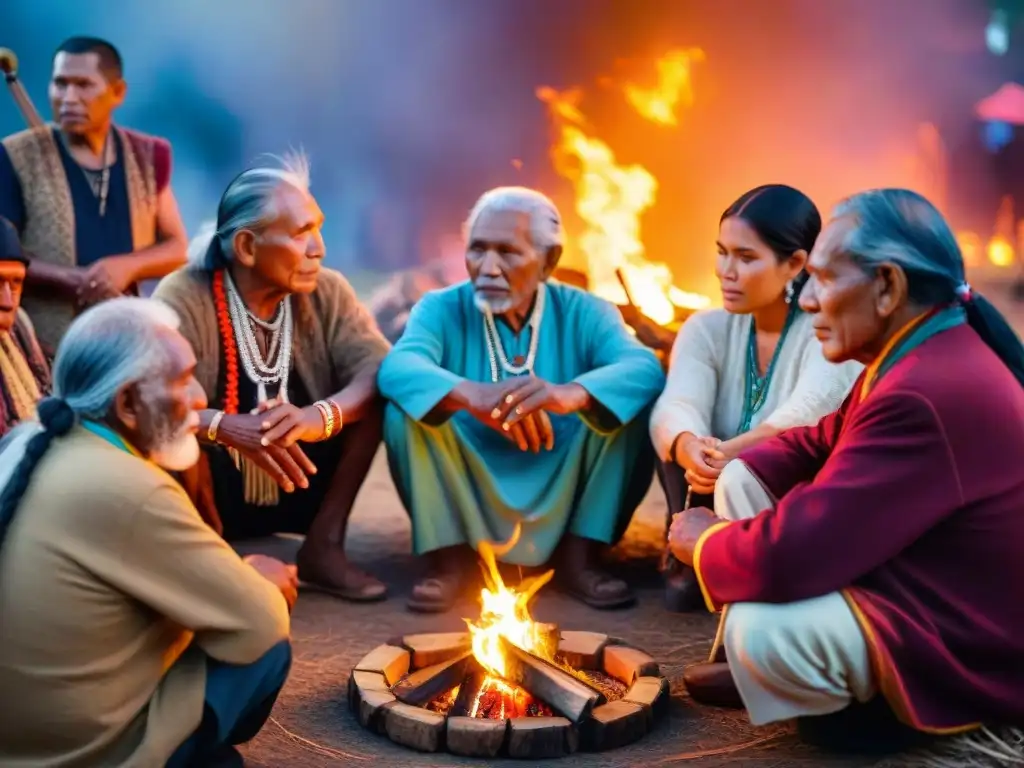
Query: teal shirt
(582, 339)
(463, 482)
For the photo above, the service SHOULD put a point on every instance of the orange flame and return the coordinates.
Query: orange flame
(505, 612)
(611, 197)
(674, 87)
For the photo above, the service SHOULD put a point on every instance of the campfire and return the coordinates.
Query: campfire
(509, 685)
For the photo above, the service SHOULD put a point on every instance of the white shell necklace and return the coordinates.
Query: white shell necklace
(274, 368)
(496, 351)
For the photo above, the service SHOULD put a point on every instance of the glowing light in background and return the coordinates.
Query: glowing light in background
(674, 88)
(1000, 252)
(996, 134)
(612, 196)
(997, 33)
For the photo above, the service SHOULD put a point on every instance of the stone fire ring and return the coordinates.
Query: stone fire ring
(608, 726)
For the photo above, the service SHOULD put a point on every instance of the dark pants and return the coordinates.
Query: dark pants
(673, 483)
(682, 593)
(238, 701)
(342, 464)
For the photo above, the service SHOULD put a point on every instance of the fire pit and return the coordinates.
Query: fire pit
(509, 686)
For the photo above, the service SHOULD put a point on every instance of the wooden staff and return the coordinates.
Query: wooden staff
(625, 288)
(9, 66)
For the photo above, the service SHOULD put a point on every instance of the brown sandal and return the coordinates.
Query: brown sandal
(598, 589)
(435, 593)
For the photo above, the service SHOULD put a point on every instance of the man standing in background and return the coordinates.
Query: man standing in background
(92, 202)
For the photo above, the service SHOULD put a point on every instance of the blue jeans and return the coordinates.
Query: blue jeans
(239, 698)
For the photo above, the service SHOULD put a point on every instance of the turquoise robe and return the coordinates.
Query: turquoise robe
(462, 483)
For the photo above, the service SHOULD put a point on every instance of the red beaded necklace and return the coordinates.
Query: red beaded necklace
(227, 337)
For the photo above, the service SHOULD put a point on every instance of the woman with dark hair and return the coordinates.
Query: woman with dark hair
(879, 555)
(743, 373)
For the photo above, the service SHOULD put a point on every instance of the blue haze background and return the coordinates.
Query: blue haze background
(410, 108)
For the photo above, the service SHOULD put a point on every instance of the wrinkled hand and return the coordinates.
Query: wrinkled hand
(283, 576)
(539, 395)
(105, 279)
(687, 527)
(484, 402)
(284, 424)
(528, 406)
(288, 466)
(702, 460)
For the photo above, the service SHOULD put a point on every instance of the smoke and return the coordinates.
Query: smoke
(410, 108)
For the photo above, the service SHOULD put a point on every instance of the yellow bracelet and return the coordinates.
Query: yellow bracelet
(328, 416)
(211, 432)
(339, 416)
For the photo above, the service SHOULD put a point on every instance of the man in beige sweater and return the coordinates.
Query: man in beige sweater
(132, 635)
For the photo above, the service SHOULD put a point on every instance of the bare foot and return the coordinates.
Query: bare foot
(329, 571)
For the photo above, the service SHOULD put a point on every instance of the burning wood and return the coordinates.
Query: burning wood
(425, 685)
(566, 694)
(469, 692)
(499, 700)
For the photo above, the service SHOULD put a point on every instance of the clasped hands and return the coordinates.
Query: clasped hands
(703, 459)
(270, 437)
(104, 279)
(518, 408)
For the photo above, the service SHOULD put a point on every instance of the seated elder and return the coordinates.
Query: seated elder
(24, 373)
(518, 400)
(743, 373)
(878, 553)
(131, 633)
(277, 332)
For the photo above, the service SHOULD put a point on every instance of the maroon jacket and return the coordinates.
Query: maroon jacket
(910, 502)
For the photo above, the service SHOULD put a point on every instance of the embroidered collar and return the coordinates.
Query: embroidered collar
(907, 339)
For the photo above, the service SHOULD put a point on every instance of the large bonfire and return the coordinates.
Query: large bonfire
(611, 197)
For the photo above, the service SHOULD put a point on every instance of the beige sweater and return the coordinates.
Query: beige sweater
(112, 591)
(707, 377)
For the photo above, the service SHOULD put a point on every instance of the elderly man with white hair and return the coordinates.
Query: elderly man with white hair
(288, 357)
(132, 634)
(514, 400)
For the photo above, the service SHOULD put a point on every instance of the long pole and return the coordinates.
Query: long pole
(9, 66)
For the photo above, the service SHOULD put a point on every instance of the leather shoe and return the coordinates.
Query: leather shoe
(682, 590)
(712, 684)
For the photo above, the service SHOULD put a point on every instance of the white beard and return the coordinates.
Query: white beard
(177, 454)
(486, 306)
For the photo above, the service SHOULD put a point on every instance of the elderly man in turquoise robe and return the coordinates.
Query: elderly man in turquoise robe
(515, 400)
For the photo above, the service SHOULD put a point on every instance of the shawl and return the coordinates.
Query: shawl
(32, 364)
(334, 338)
(49, 233)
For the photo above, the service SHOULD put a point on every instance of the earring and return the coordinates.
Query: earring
(789, 292)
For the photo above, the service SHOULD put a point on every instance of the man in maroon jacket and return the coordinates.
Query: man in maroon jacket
(880, 551)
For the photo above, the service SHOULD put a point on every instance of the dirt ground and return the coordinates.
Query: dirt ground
(312, 725)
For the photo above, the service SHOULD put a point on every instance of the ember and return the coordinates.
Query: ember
(499, 701)
(443, 703)
(606, 684)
